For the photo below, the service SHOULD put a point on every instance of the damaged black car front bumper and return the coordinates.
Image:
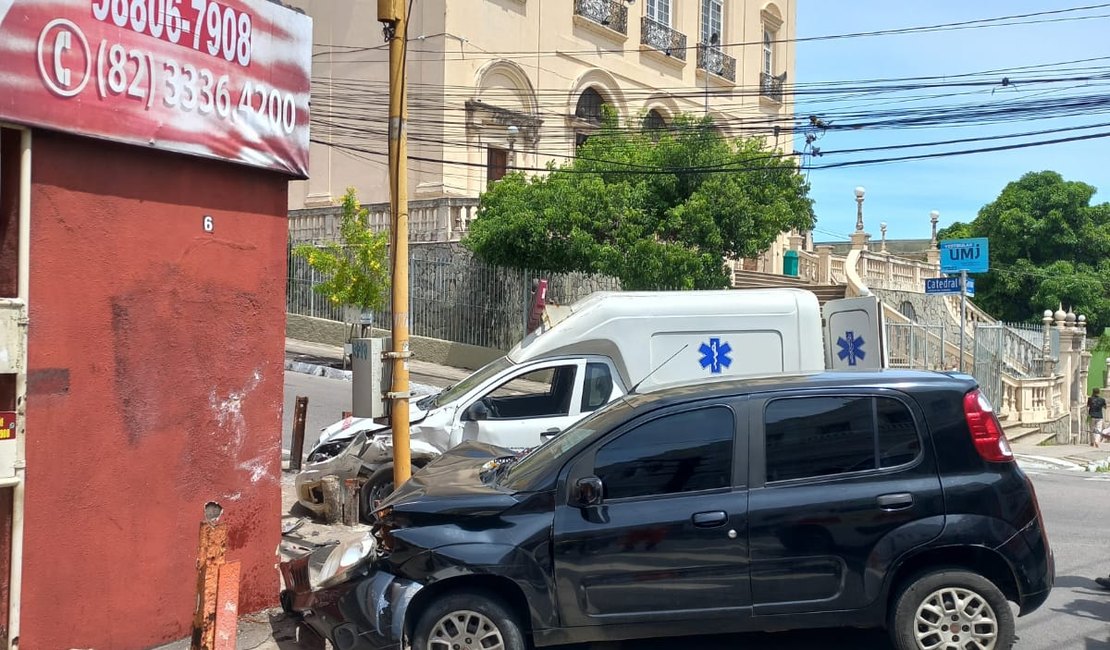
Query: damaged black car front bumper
(366, 612)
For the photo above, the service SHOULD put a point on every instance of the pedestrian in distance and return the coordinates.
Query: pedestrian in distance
(1095, 406)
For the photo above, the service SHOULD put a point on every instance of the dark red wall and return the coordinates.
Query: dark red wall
(155, 385)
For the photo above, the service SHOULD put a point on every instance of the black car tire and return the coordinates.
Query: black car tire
(471, 615)
(943, 587)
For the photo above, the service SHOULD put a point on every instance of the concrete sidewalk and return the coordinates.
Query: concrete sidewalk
(1069, 457)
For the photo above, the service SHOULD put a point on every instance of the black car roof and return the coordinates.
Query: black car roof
(726, 387)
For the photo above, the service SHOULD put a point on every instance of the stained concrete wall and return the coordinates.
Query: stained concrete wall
(155, 385)
(446, 353)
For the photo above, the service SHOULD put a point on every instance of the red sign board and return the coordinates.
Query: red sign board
(7, 425)
(227, 79)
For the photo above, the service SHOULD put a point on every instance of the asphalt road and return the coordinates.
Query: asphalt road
(1076, 507)
(327, 399)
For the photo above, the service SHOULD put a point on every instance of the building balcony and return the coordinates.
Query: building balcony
(770, 86)
(611, 14)
(660, 37)
(714, 61)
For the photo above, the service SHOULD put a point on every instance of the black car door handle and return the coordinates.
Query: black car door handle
(550, 433)
(900, 501)
(710, 519)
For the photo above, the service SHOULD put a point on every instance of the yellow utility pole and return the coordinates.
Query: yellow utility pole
(392, 13)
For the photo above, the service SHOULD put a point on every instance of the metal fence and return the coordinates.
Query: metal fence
(922, 347)
(454, 297)
(990, 347)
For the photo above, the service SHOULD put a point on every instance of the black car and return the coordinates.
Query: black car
(884, 499)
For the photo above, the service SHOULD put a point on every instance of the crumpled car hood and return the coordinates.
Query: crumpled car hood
(452, 484)
(347, 428)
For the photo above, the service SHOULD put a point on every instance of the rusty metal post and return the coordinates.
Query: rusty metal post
(213, 548)
(296, 451)
(227, 612)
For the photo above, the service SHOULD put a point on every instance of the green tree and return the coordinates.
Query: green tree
(1048, 246)
(654, 208)
(355, 268)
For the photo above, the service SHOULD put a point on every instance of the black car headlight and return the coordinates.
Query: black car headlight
(344, 557)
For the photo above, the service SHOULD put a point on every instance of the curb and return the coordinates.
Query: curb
(317, 370)
(1062, 464)
(1097, 465)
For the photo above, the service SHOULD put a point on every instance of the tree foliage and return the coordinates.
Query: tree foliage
(355, 268)
(643, 206)
(1048, 246)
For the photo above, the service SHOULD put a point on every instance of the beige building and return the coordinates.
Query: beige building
(501, 84)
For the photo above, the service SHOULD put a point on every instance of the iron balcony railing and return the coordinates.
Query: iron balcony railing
(660, 37)
(714, 61)
(770, 86)
(610, 13)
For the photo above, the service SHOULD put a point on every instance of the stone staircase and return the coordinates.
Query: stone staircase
(1027, 434)
(757, 280)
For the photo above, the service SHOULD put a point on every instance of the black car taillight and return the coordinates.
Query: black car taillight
(986, 431)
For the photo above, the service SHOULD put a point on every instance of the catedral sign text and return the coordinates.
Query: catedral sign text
(226, 80)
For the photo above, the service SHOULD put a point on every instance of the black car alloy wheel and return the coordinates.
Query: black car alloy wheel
(467, 620)
(952, 610)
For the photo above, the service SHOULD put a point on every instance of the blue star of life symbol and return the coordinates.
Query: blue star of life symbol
(851, 348)
(714, 355)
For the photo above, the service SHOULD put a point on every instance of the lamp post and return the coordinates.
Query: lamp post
(714, 39)
(882, 229)
(513, 130)
(859, 237)
(933, 254)
(859, 208)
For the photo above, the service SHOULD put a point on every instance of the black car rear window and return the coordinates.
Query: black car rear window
(829, 435)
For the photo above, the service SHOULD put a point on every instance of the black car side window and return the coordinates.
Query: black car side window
(825, 436)
(898, 440)
(818, 436)
(680, 452)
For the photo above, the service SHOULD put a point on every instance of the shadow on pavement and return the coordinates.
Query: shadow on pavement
(1097, 607)
(1083, 582)
(286, 634)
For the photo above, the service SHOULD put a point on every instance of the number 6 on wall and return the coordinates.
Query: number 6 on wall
(209, 223)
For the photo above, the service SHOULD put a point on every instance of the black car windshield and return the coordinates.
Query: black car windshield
(452, 393)
(528, 474)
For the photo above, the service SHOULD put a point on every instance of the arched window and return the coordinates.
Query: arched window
(589, 106)
(907, 310)
(654, 121)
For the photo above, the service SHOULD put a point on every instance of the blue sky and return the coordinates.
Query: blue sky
(903, 194)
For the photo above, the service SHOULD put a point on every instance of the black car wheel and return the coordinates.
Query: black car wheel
(952, 609)
(467, 620)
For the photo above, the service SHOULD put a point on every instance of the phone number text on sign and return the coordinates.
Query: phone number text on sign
(141, 76)
(216, 30)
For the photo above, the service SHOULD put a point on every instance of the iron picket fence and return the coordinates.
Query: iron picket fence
(454, 297)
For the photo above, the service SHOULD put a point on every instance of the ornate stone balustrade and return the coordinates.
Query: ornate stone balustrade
(430, 220)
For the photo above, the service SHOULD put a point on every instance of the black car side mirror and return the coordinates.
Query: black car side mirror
(588, 492)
